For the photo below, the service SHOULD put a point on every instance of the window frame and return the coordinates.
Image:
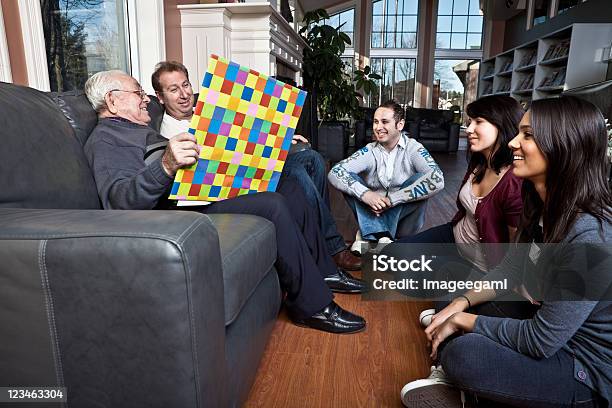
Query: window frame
(338, 13)
(370, 33)
(144, 20)
(467, 31)
(5, 61)
(413, 96)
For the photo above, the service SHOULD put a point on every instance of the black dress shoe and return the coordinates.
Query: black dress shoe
(333, 319)
(347, 261)
(343, 282)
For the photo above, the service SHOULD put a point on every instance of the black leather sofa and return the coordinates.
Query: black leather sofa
(123, 308)
(434, 128)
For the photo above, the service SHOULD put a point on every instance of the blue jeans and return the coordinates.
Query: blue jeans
(410, 214)
(495, 373)
(307, 168)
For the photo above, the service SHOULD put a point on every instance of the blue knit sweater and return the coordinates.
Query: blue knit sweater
(583, 328)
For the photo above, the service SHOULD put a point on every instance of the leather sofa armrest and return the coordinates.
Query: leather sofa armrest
(124, 308)
(453, 137)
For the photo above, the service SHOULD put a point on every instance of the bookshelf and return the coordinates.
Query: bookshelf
(559, 61)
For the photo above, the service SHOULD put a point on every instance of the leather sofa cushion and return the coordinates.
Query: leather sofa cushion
(248, 252)
(76, 108)
(43, 164)
(156, 112)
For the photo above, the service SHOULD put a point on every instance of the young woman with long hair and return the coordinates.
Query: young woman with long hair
(562, 356)
(489, 200)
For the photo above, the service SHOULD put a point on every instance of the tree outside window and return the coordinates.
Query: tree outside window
(83, 37)
(455, 84)
(398, 76)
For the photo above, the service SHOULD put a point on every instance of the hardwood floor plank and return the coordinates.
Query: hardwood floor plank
(307, 368)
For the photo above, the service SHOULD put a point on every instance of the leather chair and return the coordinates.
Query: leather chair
(123, 308)
(364, 128)
(435, 129)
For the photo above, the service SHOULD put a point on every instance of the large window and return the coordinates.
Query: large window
(83, 37)
(397, 80)
(346, 21)
(394, 23)
(455, 83)
(459, 25)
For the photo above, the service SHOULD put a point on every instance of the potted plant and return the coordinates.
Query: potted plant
(331, 88)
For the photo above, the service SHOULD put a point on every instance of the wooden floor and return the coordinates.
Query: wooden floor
(308, 368)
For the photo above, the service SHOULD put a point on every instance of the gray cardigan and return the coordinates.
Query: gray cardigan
(115, 151)
(370, 162)
(583, 328)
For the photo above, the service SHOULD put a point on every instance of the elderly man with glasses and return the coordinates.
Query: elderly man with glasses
(116, 149)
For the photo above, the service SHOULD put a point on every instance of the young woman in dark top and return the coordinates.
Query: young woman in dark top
(562, 356)
(489, 200)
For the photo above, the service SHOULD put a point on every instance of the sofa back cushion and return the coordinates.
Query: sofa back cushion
(42, 161)
(76, 108)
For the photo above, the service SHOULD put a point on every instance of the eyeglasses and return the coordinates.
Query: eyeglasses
(139, 92)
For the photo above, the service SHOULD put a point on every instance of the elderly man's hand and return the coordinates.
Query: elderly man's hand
(182, 150)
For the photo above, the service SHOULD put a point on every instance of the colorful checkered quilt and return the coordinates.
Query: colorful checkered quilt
(244, 122)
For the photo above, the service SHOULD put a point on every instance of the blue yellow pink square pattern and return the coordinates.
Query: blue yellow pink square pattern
(244, 122)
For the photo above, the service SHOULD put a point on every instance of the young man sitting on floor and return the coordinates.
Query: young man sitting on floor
(389, 180)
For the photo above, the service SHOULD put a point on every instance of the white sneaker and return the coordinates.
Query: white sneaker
(376, 247)
(425, 317)
(359, 246)
(433, 391)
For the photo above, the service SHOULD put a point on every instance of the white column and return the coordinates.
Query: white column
(147, 39)
(5, 62)
(251, 45)
(34, 44)
(204, 31)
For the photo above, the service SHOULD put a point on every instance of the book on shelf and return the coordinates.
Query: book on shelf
(504, 87)
(558, 50)
(549, 52)
(559, 78)
(506, 67)
(528, 59)
(556, 78)
(526, 83)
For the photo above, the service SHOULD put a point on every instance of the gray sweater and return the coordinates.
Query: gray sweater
(583, 328)
(115, 151)
(370, 163)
